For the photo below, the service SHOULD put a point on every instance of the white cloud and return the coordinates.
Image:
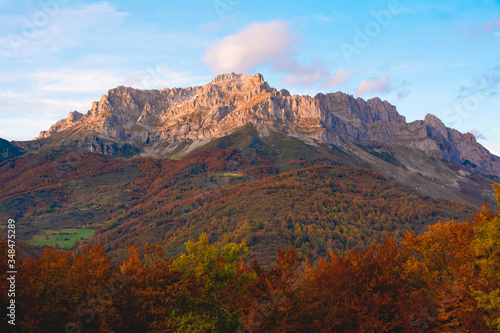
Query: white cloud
(271, 44)
(339, 78)
(374, 85)
(22, 129)
(313, 74)
(255, 45)
(73, 80)
(51, 95)
(322, 18)
(303, 79)
(42, 31)
(36, 104)
(484, 85)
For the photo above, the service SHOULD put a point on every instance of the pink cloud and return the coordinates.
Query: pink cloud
(257, 44)
(272, 44)
(477, 135)
(488, 26)
(302, 79)
(301, 74)
(342, 76)
(374, 85)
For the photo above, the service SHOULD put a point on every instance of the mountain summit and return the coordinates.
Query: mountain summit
(174, 121)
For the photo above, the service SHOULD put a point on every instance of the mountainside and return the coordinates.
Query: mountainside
(423, 155)
(241, 161)
(231, 194)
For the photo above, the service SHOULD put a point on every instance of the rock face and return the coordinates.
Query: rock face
(156, 122)
(62, 125)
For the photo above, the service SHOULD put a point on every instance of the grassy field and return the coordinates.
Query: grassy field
(64, 237)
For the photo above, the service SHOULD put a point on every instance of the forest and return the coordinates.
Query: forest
(231, 195)
(446, 279)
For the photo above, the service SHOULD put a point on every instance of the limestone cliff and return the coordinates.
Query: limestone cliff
(156, 122)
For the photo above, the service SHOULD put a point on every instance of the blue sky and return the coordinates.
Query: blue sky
(422, 56)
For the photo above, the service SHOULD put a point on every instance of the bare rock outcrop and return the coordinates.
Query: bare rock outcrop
(62, 125)
(151, 122)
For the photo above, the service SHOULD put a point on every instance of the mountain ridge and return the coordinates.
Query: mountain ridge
(155, 122)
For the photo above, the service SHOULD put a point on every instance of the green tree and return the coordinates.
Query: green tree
(487, 250)
(218, 286)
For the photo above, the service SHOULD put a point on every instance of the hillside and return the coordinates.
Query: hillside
(268, 199)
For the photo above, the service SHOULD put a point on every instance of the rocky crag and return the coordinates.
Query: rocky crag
(174, 121)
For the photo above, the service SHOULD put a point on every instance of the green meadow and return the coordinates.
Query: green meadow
(65, 238)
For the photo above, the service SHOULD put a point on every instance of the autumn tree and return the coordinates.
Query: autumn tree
(274, 302)
(62, 291)
(439, 269)
(150, 292)
(359, 292)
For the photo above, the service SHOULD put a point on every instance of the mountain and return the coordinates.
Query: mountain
(240, 160)
(157, 122)
(424, 155)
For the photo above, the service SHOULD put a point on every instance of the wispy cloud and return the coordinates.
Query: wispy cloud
(477, 135)
(298, 74)
(402, 90)
(321, 18)
(339, 78)
(58, 29)
(28, 126)
(380, 85)
(490, 25)
(485, 85)
(34, 104)
(163, 77)
(489, 28)
(73, 80)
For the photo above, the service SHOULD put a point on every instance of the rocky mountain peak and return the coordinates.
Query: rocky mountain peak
(157, 122)
(240, 78)
(239, 83)
(62, 125)
(383, 110)
(74, 116)
(434, 122)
